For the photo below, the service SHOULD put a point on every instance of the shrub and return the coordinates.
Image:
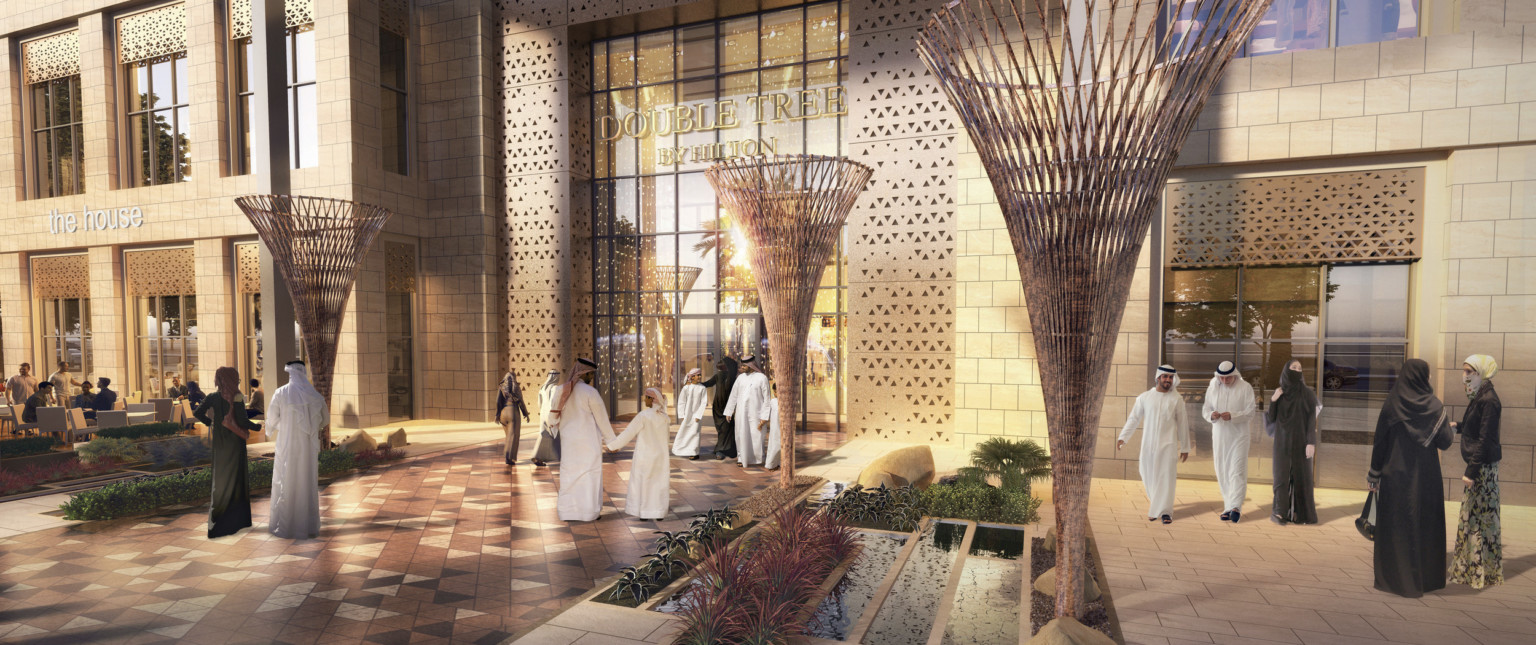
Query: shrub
(1014, 463)
(187, 451)
(336, 460)
(109, 448)
(28, 446)
(981, 503)
(897, 509)
(377, 456)
(140, 431)
(144, 494)
(759, 592)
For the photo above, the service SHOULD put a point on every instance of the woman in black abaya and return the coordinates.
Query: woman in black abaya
(224, 415)
(1293, 415)
(1410, 497)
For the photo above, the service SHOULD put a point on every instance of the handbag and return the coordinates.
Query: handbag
(1366, 523)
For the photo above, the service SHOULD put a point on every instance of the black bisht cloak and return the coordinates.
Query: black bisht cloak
(1405, 467)
(230, 507)
(723, 380)
(1294, 419)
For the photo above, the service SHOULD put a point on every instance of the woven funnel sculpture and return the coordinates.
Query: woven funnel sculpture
(792, 209)
(1078, 109)
(317, 244)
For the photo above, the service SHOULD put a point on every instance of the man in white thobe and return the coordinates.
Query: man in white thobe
(583, 429)
(748, 407)
(650, 469)
(1164, 441)
(295, 418)
(775, 439)
(691, 402)
(1229, 405)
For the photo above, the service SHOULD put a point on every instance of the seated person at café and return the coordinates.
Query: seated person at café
(39, 399)
(106, 399)
(86, 400)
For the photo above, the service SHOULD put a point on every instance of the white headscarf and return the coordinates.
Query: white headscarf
(1166, 369)
(299, 385)
(1483, 368)
(1225, 369)
(570, 383)
(554, 379)
(660, 404)
(692, 373)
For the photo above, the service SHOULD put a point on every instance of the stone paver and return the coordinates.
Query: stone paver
(453, 547)
(1200, 580)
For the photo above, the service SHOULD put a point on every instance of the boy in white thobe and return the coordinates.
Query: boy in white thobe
(771, 462)
(691, 401)
(584, 428)
(748, 407)
(650, 469)
(1228, 406)
(1164, 442)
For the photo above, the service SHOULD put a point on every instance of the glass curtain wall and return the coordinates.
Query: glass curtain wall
(1347, 324)
(673, 285)
(167, 341)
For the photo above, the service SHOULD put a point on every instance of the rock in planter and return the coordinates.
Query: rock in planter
(1050, 540)
(1067, 631)
(396, 439)
(913, 465)
(359, 442)
(1046, 584)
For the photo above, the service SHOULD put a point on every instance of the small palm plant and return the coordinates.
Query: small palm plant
(1014, 463)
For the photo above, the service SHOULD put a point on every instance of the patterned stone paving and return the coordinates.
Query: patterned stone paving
(447, 548)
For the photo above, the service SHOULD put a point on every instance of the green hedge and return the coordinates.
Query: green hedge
(26, 446)
(980, 503)
(138, 496)
(140, 431)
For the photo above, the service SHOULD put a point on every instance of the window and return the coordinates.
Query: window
(160, 146)
(303, 123)
(673, 287)
(67, 334)
(167, 341)
(57, 143)
(393, 100)
(399, 312)
(1300, 25)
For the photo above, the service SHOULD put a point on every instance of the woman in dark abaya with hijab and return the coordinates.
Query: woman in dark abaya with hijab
(1405, 474)
(1293, 416)
(224, 415)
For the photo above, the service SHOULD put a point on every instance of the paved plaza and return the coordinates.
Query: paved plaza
(456, 548)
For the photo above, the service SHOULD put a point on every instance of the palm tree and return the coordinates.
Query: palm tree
(1014, 463)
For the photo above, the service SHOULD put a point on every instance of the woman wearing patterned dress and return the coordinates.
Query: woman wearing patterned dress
(1478, 558)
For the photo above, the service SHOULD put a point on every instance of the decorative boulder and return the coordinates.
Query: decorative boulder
(1046, 584)
(396, 439)
(359, 442)
(1067, 631)
(913, 465)
(1050, 540)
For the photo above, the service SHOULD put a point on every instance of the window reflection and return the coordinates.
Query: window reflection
(1296, 25)
(160, 149)
(58, 150)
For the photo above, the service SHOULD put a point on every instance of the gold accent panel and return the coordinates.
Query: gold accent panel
(153, 33)
(399, 268)
(1368, 216)
(61, 276)
(395, 16)
(56, 56)
(248, 268)
(162, 272)
(296, 13)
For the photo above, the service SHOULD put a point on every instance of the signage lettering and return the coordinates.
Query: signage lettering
(97, 220)
(723, 114)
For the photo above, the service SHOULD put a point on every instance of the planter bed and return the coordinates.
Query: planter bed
(1096, 614)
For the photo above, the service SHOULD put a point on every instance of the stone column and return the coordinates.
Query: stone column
(111, 330)
(216, 327)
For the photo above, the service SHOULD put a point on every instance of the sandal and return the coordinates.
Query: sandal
(1278, 520)
(1235, 515)
(1167, 519)
(1225, 516)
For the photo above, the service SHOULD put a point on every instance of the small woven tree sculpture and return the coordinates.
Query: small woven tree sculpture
(1078, 109)
(660, 336)
(317, 244)
(792, 209)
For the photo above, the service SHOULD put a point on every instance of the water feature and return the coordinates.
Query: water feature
(998, 542)
(906, 617)
(987, 601)
(841, 610)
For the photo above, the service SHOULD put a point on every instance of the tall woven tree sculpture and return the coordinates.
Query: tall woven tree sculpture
(317, 244)
(1078, 109)
(792, 209)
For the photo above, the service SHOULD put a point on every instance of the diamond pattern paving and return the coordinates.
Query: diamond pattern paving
(447, 548)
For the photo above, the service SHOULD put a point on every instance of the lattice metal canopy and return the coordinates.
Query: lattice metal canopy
(51, 57)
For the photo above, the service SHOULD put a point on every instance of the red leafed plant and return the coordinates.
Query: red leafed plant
(759, 592)
(26, 478)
